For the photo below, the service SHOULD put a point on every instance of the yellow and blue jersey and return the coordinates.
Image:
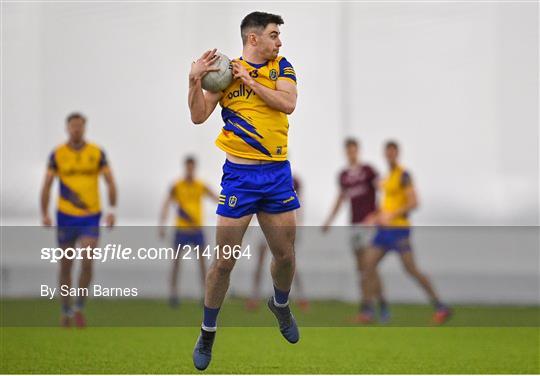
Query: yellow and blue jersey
(188, 196)
(78, 171)
(394, 188)
(252, 129)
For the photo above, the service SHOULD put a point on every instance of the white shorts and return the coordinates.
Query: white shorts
(361, 237)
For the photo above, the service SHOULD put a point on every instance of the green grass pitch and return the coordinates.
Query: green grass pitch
(122, 339)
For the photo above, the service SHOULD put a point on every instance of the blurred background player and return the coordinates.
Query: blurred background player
(187, 195)
(77, 164)
(262, 247)
(257, 176)
(358, 184)
(393, 234)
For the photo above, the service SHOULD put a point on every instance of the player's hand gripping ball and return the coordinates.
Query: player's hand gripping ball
(218, 80)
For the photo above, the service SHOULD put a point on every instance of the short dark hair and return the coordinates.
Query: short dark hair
(258, 20)
(190, 159)
(351, 142)
(391, 144)
(75, 115)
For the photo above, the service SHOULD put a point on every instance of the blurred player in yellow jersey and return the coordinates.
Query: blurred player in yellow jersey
(393, 233)
(77, 164)
(187, 195)
(257, 176)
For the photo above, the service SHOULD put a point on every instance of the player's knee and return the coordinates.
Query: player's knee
(65, 268)
(223, 267)
(284, 258)
(365, 278)
(86, 268)
(412, 271)
(368, 263)
(65, 273)
(369, 270)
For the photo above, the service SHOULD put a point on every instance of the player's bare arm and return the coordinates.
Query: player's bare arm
(169, 200)
(111, 191)
(45, 198)
(202, 103)
(412, 200)
(282, 99)
(372, 218)
(210, 193)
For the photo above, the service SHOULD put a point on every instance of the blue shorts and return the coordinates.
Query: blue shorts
(70, 227)
(189, 237)
(393, 239)
(249, 189)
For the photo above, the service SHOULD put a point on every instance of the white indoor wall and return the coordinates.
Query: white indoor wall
(125, 66)
(455, 83)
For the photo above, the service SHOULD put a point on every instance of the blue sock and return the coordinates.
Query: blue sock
(438, 305)
(79, 304)
(210, 318)
(66, 310)
(366, 308)
(281, 297)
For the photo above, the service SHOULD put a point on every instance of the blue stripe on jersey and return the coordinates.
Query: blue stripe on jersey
(182, 214)
(239, 125)
(230, 126)
(228, 114)
(286, 69)
(71, 196)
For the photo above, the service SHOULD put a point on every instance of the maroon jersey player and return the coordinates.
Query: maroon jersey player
(358, 185)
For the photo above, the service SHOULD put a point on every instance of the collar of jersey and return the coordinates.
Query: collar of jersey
(76, 149)
(255, 65)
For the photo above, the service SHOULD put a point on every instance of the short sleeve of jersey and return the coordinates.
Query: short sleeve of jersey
(372, 173)
(103, 162)
(340, 180)
(51, 164)
(406, 179)
(286, 70)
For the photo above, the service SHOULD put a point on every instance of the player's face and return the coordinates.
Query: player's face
(190, 168)
(352, 153)
(268, 42)
(391, 154)
(76, 128)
